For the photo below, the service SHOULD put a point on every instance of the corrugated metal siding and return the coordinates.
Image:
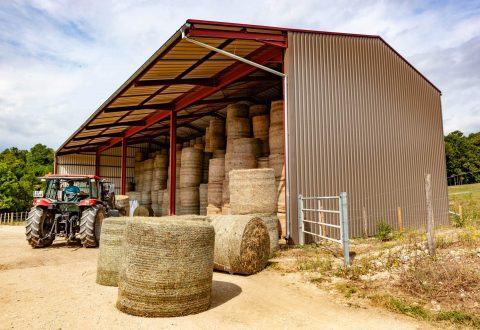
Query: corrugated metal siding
(110, 163)
(361, 120)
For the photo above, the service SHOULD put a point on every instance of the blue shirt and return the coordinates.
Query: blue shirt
(72, 189)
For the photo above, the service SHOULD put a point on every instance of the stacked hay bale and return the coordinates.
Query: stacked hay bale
(216, 176)
(122, 204)
(261, 125)
(253, 192)
(203, 195)
(190, 179)
(160, 172)
(206, 161)
(277, 157)
(167, 267)
(216, 130)
(110, 251)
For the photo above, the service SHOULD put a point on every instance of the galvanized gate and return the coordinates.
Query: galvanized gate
(325, 218)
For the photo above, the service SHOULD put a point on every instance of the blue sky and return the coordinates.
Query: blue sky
(59, 60)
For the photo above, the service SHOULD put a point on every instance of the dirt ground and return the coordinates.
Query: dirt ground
(54, 288)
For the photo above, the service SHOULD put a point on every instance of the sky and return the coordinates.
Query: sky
(60, 60)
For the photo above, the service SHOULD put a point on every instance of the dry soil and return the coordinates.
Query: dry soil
(54, 288)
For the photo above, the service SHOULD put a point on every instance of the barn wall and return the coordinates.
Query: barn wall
(361, 120)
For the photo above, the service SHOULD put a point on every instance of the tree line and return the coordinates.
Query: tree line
(463, 157)
(19, 172)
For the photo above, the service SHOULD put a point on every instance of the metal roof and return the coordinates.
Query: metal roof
(193, 81)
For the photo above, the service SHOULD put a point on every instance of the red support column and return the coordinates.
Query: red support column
(124, 167)
(173, 161)
(97, 163)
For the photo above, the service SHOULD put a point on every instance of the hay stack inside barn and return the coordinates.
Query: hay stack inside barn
(242, 243)
(110, 251)
(167, 267)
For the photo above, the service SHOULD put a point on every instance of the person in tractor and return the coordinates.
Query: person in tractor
(71, 191)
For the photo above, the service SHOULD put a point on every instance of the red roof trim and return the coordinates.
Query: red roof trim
(196, 21)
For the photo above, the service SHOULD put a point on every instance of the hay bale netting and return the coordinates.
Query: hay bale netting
(253, 191)
(242, 243)
(122, 204)
(143, 211)
(167, 267)
(110, 251)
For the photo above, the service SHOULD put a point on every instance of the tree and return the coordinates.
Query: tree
(463, 157)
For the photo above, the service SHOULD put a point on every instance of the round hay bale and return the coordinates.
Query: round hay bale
(260, 126)
(262, 162)
(252, 191)
(203, 194)
(276, 113)
(165, 206)
(216, 170)
(225, 193)
(257, 110)
(143, 211)
(167, 267)
(205, 166)
(213, 210)
(190, 200)
(191, 157)
(139, 156)
(238, 128)
(226, 209)
(271, 221)
(217, 134)
(148, 164)
(110, 251)
(215, 194)
(277, 162)
(248, 146)
(238, 161)
(208, 147)
(122, 204)
(276, 140)
(237, 110)
(160, 161)
(190, 177)
(280, 192)
(146, 198)
(219, 153)
(242, 243)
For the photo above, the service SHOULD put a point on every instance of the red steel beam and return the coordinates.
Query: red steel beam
(123, 183)
(97, 163)
(279, 40)
(173, 162)
(239, 71)
(182, 81)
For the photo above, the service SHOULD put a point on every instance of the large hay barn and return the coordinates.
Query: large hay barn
(355, 117)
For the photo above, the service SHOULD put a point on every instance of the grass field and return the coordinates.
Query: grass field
(465, 201)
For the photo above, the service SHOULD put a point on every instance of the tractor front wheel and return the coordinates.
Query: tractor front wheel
(90, 225)
(37, 229)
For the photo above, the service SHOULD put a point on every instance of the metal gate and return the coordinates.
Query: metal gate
(325, 218)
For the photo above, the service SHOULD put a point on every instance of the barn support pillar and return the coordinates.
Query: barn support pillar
(123, 183)
(97, 162)
(173, 162)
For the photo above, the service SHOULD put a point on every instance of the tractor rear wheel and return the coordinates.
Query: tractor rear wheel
(37, 230)
(91, 225)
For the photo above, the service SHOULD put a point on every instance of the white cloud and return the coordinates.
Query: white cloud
(59, 60)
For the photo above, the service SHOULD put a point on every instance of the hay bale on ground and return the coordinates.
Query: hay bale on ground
(110, 251)
(271, 221)
(167, 267)
(242, 243)
(253, 191)
(143, 211)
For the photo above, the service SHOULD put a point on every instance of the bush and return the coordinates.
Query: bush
(384, 231)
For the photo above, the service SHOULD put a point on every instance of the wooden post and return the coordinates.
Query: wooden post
(323, 229)
(399, 218)
(430, 223)
(460, 212)
(365, 221)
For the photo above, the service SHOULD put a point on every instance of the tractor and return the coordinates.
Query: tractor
(71, 206)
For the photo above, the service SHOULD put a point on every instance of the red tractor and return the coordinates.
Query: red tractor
(72, 206)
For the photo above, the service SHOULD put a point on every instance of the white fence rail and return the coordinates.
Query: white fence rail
(11, 217)
(312, 215)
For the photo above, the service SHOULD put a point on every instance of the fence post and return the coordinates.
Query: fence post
(430, 224)
(301, 237)
(399, 218)
(365, 221)
(344, 227)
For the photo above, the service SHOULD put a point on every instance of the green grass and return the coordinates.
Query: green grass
(468, 197)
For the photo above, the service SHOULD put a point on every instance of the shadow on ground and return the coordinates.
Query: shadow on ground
(222, 292)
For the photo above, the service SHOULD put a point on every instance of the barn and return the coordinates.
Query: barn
(356, 117)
